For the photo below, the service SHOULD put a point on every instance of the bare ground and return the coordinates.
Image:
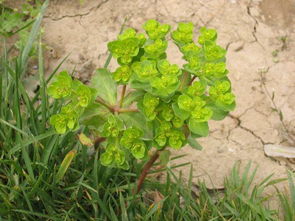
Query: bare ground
(259, 36)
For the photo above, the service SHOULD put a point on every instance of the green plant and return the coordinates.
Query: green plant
(288, 200)
(173, 104)
(48, 176)
(17, 21)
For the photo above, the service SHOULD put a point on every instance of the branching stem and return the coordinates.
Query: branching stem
(102, 101)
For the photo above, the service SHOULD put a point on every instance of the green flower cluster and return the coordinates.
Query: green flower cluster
(127, 46)
(220, 93)
(112, 127)
(155, 30)
(131, 140)
(168, 126)
(78, 97)
(192, 104)
(160, 77)
(114, 156)
(66, 120)
(143, 61)
(121, 141)
(167, 135)
(206, 61)
(184, 33)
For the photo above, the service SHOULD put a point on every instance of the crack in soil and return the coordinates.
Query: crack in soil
(239, 124)
(256, 23)
(78, 15)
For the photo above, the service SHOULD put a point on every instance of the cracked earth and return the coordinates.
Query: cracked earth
(259, 36)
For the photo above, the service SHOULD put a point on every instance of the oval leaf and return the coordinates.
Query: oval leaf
(193, 143)
(200, 128)
(105, 85)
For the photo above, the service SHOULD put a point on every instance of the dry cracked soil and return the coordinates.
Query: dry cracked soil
(260, 38)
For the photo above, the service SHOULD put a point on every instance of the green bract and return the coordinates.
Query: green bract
(78, 97)
(161, 104)
(122, 74)
(220, 93)
(82, 95)
(124, 50)
(155, 30)
(145, 70)
(184, 33)
(62, 87)
(129, 136)
(149, 104)
(207, 35)
(112, 127)
(156, 49)
(114, 156)
(66, 120)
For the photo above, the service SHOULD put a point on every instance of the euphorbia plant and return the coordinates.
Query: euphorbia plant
(161, 104)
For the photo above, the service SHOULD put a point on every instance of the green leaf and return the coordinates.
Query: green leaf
(132, 97)
(200, 128)
(105, 86)
(94, 110)
(137, 120)
(182, 114)
(218, 114)
(193, 143)
(94, 115)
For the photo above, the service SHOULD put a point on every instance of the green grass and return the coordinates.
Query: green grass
(45, 176)
(288, 202)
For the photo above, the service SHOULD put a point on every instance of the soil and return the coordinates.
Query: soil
(260, 38)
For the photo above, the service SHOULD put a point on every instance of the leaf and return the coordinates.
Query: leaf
(193, 143)
(291, 177)
(218, 114)
(137, 120)
(132, 97)
(105, 85)
(200, 128)
(182, 114)
(135, 84)
(65, 165)
(33, 35)
(85, 140)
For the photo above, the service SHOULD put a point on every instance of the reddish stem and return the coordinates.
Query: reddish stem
(98, 141)
(101, 101)
(192, 80)
(146, 169)
(122, 95)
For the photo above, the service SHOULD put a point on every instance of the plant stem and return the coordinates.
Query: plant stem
(184, 80)
(106, 64)
(122, 95)
(146, 169)
(98, 141)
(192, 80)
(125, 110)
(101, 101)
